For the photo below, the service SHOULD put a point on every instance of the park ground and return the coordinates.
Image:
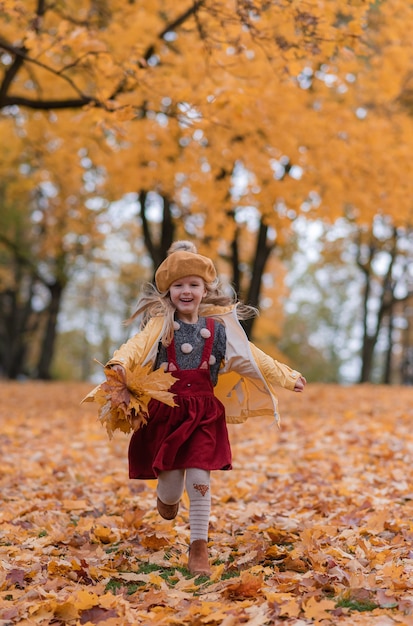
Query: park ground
(314, 524)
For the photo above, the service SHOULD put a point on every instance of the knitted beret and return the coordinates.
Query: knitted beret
(181, 263)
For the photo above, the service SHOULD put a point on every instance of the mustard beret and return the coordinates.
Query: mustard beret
(181, 263)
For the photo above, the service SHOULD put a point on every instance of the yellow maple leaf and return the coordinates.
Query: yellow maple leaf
(217, 572)
(66, 611)
(144, 384)
(104, 534)
(156, 580)
(123, 398)
(154, 541)
(316, 608)
(290, 607)
(85, 599)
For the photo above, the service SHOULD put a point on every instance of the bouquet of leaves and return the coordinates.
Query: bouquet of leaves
(124, 397)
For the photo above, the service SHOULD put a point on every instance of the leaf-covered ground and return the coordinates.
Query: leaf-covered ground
(314, 525)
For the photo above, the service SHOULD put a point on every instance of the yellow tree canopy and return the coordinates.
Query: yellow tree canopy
(117, 54)
(286, 106)
(361, 136)
(169, 98)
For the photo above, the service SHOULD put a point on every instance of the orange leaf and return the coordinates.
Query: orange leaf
(124, 397)
(316, 608)
(115, 387)
(248, 586)
(144, 384)
(154, 541)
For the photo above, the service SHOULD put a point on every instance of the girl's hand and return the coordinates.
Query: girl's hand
(119, 369)
(300, 384)
(120, 395)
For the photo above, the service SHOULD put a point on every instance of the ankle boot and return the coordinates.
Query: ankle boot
(198, 558)
(167, 511)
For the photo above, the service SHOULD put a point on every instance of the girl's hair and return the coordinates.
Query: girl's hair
(153, 303)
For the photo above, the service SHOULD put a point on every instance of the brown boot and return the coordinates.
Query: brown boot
(198, 558)
(167, 511)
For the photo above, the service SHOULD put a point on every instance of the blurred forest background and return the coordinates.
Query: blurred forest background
(275, 134)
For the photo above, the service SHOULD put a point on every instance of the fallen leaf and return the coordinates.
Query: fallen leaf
(96, 614)
(297, 530)
(153, 541)
(317, 608)
(247, 587)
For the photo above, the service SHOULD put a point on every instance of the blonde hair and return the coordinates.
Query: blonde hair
(154, 303)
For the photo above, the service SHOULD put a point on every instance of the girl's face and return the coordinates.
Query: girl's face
(186, 295)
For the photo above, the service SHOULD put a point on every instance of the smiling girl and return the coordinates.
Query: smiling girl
(191, 329)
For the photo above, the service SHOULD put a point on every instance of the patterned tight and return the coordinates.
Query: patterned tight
(197, 484)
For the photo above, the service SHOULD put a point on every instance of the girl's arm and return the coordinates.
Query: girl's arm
(277, 373)
(139, 349)
(128, 352)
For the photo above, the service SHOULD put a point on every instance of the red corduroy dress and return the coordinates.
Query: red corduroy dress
(192, 434)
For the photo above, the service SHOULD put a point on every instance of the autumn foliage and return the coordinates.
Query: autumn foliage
(238, 117)
(124, 396)
(312, 526)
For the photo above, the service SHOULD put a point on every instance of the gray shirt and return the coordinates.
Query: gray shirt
(191, 334)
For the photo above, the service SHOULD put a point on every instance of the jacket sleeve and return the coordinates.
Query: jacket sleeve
(275, 373)
(139, 349)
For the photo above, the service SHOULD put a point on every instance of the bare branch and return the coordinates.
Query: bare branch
(182, 18)
(9, 75)
(47, 105)
(20, 57)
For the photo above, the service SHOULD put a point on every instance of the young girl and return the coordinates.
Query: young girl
(191, 330)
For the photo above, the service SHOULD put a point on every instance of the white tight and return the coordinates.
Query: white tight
(197, 484)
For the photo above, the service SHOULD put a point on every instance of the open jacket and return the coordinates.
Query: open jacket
(247, 379)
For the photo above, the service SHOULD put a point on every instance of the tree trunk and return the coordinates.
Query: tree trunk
(367, 352)
(157, 251)
(18, 322)
(236, 274)
(368, 342)
(388, 365)
(49, 337)
(262, 252)
(386, 300)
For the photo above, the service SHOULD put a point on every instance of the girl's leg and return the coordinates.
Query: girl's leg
(198, 488)
(169, 492)
(197, 485)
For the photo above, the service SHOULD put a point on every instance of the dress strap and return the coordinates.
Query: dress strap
(206, 352)
(171, 356)
(209, 342)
